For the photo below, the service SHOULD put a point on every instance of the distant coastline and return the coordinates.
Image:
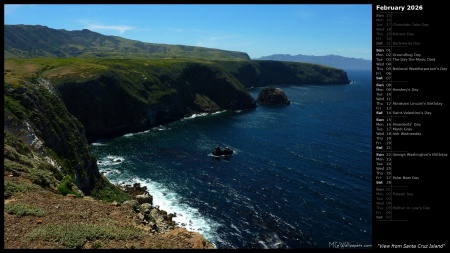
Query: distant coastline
(331, 60)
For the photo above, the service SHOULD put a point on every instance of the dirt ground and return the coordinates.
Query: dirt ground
(61, 210)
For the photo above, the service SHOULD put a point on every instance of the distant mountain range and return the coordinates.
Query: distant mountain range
(30, 41)
(328, 60)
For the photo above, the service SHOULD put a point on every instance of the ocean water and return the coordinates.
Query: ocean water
(300, 176)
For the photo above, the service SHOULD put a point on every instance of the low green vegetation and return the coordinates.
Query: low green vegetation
(12, 188)
(106, 191)
(42, 178)
(14, 107)
(21, 210)
(74, 236)
(18, 161)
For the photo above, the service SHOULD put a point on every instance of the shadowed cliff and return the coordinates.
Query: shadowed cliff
(112, 97)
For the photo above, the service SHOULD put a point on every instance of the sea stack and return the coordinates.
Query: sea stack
(272, 96)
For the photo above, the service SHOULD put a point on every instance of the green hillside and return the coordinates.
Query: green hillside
(29, 41)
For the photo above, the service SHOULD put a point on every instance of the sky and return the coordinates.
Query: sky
(257, 29)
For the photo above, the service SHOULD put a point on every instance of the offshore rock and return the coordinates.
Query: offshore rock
(272, 96)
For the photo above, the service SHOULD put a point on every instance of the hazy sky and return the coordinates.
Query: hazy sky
(257, 29)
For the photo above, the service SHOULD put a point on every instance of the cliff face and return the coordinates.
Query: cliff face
(36, 120)
(112, 97)
(112, 104)
(328, 60)
(133, 96)
(47, 98)
(264, 73)
(43, 143)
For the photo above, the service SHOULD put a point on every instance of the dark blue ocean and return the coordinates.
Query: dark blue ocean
(300, 176)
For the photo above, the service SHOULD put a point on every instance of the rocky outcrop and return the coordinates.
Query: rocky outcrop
(197, 240)
(272, 96)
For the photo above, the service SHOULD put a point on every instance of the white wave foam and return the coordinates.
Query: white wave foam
(271, 241)
(186, 216)
(263, 244)
(110, 160)
(108, 172)
(162, 128)
(137, 133)
(98, 144)
(218, 112)
(195, 115)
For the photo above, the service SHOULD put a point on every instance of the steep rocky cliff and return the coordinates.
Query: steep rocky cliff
(47, 98)
(112, 97)
(112, 103)
(44, 149)
(264, 73)
(43, 141)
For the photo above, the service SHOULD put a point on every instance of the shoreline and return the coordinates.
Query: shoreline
(157, 220)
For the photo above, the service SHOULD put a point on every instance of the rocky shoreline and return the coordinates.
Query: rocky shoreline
(148, 216)
(152, 219)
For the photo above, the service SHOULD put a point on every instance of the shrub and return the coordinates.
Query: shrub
(65, 187)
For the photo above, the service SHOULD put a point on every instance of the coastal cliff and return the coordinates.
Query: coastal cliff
(55, 196)
(55, 106)
(132, 96)
(114, 97)
(42, 135)
(265, 73)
